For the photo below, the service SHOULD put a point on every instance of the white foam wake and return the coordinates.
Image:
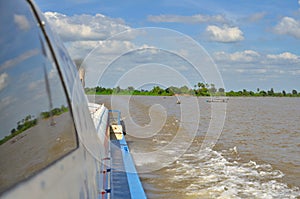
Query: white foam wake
(216, 177)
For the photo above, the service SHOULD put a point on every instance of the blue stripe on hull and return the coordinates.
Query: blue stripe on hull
(125, 180)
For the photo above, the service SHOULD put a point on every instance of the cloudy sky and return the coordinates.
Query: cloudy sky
(252, 43)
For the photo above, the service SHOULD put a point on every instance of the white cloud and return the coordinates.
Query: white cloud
(240, 70)
(182, 68)
(251, 64)
(80, 49)
(114, 46)
(296, 72)
(285, 57)
(224, 34)
(3, 80)
(84, 33)
(109, 48)
(16, 60)
(244, 56)
(252, 71)
(187, 19)
(257, 17)
(21, 22)
(250, 56)
(280, 71)
(85, 27)
(288, 26)
(35, 85)
(6, 101)
(261, 70)
(120, 69)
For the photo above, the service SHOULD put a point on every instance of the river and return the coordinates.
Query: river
(256, 155)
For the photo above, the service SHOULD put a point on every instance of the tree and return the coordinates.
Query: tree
(271, 92)
(130, 88)
(221, 90)
(169, 91)
(283, 93)
(294, 92)
(118, 89)
(245, 92)
(174, 89)
(212, 89)
(157, 90)
(184, 89)
(27, 118)
(201, 85)
(263, 93)
(13, 131)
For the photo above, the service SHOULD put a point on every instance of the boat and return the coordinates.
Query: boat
(218, 99)
(54, 144)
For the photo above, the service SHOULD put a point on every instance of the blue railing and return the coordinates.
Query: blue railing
(118, 118)
(132, 180)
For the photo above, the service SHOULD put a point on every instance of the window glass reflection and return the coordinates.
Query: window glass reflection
(36, 127)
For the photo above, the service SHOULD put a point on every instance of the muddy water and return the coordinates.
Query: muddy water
(257, 154)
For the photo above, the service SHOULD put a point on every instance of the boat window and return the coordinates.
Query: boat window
(36, 126)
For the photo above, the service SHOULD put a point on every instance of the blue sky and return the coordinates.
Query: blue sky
(254, 44)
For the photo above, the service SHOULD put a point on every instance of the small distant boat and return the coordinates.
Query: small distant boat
(178, 102)
(218, 99)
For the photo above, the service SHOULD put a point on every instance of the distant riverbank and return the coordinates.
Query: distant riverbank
(199, 90)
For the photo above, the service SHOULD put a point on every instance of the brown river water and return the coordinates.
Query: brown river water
(255, 155)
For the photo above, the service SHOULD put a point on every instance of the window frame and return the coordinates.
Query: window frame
(37, 16)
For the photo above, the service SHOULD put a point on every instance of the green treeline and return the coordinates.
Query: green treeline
(200, 89)
(262, 93)
(26, 123)
(30, 121)
(55, 111)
